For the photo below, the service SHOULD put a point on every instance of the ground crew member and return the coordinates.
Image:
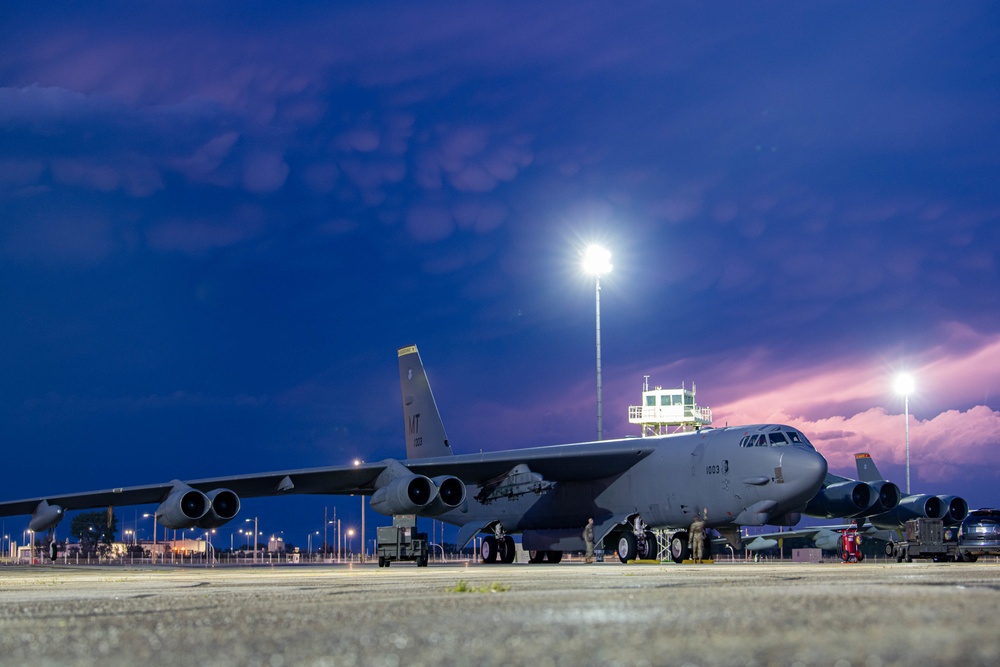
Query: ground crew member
(696, 538)
(588, 539)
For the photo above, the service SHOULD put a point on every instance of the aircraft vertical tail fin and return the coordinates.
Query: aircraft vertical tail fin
(425, 434)
(867, 471)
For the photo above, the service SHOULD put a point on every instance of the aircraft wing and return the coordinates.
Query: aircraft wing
(333, 480)
(824, 537)
(560, 463)
(578, 462)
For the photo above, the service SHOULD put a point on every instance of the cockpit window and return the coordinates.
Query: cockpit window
(799, 439)
(778, 438)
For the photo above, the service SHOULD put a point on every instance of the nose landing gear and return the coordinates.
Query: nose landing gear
(498, 545)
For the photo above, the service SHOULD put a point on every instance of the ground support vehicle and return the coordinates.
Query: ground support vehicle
(400, 541)
(925, 539)
(850, 546)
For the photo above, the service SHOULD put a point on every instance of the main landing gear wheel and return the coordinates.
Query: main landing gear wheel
(508, 551)
(553, 556)
(679, 549)
(628, 547)
(536, 556)
(890, 549)
(489, 549)
(650, 548)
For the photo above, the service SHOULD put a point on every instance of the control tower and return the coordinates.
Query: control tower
(668, 410)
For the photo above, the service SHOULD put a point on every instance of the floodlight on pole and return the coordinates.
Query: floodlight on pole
(358, 462)
(597, 262)
(904, 385)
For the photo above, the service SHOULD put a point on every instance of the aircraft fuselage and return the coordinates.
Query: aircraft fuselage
(709, 471)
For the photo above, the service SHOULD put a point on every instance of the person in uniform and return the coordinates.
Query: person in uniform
(588, 539)
(696, 538)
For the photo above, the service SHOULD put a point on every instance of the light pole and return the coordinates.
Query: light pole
(255, 533)
(350, 538)
(358, 462)
(904, 386)
(597, 262)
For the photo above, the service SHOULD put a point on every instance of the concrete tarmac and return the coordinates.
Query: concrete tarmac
(789, 614)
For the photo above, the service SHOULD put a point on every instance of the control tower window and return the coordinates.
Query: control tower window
(651, 401)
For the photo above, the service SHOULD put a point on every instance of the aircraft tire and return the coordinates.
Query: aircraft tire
(969, 558)
(536, 556)
(651, 547)
(679, 549)
(381, 561)
(628, 547)
(553, 556)
(489, 549)
(508, 550)
(890, 549)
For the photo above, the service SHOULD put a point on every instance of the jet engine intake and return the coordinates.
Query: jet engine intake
(840, 500)
(225, 505)
(183, 508)
(408, 494)
(910, 507)
(450, 495)
(953, 509)
(884, 496)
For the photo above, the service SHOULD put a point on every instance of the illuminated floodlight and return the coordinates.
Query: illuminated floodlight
(597, 260)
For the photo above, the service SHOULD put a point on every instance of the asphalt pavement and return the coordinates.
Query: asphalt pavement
(572, 614)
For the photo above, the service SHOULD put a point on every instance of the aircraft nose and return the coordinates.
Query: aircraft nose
(805, 469)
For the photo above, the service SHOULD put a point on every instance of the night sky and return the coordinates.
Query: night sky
(218, 222)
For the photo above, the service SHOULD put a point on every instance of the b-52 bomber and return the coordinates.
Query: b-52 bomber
(733, 477)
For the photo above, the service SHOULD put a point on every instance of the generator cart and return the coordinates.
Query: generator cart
(400, 541)
(925, 539)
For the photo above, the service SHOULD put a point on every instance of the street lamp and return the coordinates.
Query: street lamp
(255, 534)
(597, 262)
(350, 537)
(904, 386)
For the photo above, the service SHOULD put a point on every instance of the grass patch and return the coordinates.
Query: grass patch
(465, 587)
